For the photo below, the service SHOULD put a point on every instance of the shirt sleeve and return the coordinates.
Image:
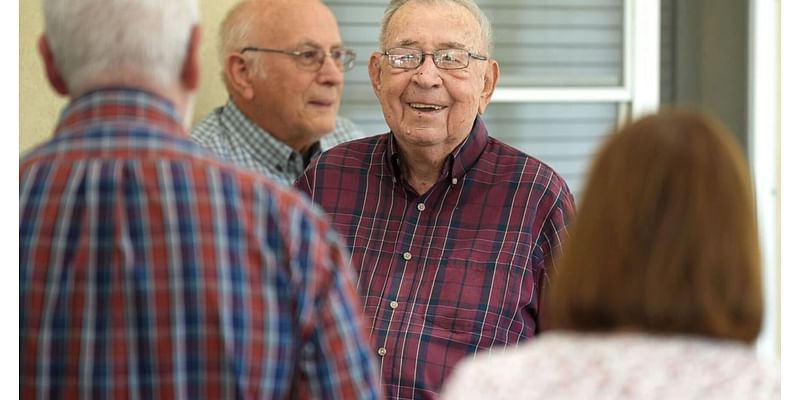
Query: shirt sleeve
(336, 359)
(554, 231)
(551, 241)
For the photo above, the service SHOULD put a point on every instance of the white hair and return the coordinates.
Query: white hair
(100, 38)
(483, 20)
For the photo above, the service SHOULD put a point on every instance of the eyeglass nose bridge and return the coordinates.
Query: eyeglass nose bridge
(423, 56)
(438, 58)
(341, 62)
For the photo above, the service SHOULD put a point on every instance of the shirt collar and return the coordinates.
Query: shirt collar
(120, 102)
(457, 162)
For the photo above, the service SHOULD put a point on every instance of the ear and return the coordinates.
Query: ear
(374, 69)
(190, 73)
(490, 78)
(53, 74)
(238, 76)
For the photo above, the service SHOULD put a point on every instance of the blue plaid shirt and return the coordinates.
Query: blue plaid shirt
(150, 269)
(234, 137)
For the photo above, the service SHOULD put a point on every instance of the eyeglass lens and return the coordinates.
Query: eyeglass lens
(314, 58)
(409, 58)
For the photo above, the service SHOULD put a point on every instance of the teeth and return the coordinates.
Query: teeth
(426, 106)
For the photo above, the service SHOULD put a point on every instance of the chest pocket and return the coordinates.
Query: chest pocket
(485, 296)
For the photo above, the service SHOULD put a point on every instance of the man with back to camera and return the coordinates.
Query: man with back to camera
(149, 268)
(283, 65)
(451, 231)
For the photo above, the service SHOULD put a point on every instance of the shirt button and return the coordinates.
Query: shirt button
(393, 304)
(406, 256)
(454, 181)
(382, 351)
(421, 207)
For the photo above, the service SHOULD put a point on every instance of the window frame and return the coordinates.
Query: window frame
(639, 92)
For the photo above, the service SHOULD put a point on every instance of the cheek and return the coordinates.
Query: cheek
(389, 92)
(390, 98)
(468, 94)
(393, 87)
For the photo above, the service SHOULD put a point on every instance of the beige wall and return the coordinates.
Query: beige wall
(39, 106)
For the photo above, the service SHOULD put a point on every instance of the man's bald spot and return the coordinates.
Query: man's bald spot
(249, 18)
(268, 16)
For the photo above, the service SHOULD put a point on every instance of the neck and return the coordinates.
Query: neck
(300, 142)
(422, 169)
(180, 98)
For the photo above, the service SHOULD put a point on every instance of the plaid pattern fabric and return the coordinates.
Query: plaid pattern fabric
(233, 137)
(451, 271)
(149, 269)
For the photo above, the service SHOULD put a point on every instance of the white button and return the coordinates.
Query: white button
(393, 304)
(406, 256)
(382, 351)
(455, 181)
(421, 207)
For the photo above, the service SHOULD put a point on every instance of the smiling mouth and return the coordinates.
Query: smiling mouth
(425, 107)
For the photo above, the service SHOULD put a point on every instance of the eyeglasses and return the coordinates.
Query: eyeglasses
(410, 58)
(311, 59)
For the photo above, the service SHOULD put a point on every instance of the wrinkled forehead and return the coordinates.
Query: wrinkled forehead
(433, 24)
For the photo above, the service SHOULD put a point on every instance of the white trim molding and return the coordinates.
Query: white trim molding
(765, 155)
(644, 62)
(560, 95)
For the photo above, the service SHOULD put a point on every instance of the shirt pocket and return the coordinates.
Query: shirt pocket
(473, 300)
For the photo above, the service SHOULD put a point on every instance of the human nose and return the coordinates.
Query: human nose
(330, 72)
(427, 74)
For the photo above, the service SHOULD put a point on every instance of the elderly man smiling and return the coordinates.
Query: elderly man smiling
(283, 64)
(451, 231)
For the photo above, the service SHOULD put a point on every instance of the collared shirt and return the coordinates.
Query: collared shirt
(451, 271)
(234, 137)
(151, 269)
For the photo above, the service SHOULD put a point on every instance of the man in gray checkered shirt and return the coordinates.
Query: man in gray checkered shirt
(283, 66)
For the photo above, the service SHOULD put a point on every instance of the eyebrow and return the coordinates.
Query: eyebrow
(445, 45)
(311, 43)
(453, 45)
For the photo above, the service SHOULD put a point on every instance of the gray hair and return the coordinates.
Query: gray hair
(94, 38)
(483, 21)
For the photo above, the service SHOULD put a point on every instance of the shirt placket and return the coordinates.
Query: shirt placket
(409, 288)
(405, 260)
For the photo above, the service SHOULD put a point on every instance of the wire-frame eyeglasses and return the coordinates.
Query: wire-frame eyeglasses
(411, 58)
(311, 59)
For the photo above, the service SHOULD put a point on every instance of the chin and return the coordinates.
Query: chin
(320, 130)
(427, 132)
(327, 125)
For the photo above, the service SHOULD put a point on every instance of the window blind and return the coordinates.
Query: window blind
(538, 43)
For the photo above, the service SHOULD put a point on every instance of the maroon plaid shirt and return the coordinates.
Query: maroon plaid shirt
(451, 271)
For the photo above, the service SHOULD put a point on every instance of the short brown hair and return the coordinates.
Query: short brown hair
(665, 237)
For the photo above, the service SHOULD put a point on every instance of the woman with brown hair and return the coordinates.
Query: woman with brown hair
(658, 292)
